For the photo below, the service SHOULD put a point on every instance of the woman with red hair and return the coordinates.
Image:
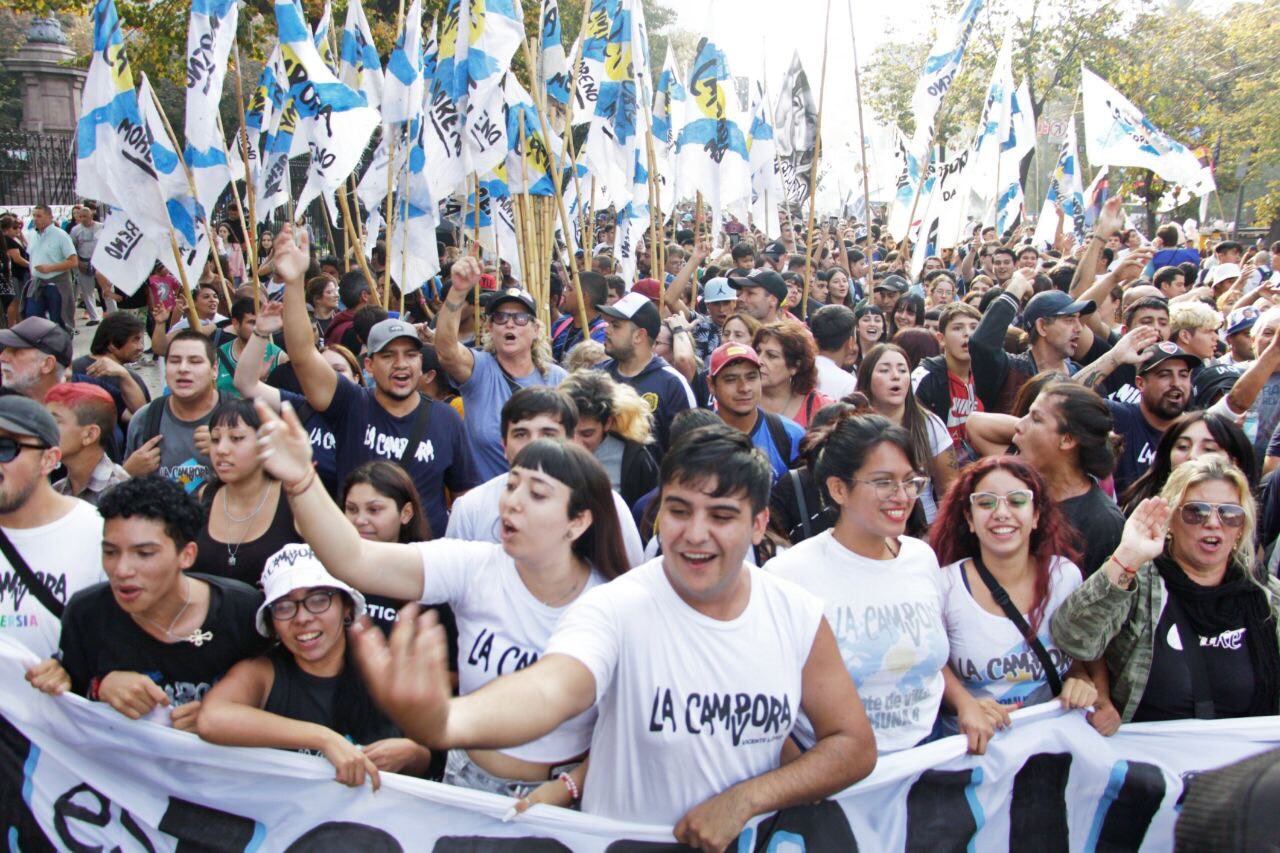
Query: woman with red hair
(1008, 562)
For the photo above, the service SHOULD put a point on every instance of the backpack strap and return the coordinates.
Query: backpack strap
(796, 483)
(781, 440)
(1011, 610)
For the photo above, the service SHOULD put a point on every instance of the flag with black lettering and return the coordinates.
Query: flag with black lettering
(124, 255)
(359, 65)
(210, 35)
(711, 150)
(795, 130)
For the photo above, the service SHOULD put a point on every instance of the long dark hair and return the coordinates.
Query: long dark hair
(393, 483)
(914, 418)
(952, 539)
(843, 445)
(601, 545)
(1229, 437)
(912, 302)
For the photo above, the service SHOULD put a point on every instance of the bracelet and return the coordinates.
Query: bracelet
(1128, 571)
(302, 485)
(258, 334)
(574, 793)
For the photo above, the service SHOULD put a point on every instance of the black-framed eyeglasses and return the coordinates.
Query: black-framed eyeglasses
(887, 490)
(1196, 513)
(501, 318)
(317, 602)
(11, 447)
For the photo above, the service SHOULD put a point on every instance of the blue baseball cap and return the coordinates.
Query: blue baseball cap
(1242, 320)
(718, 289)
(1055, 303)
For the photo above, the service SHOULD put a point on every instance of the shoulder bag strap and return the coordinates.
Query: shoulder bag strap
(42, 593)
(1201, 694)
(418, 430)
(805, 526)
(1011, 610)
(511, 381)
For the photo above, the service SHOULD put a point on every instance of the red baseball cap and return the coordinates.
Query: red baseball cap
(728, 353)
(648, 287)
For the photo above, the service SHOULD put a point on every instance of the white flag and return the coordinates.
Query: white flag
(124, 254)
(1066, 190)
(403, 87)
(940, 69)
(1017, 144)
(766, 186)
(210, 35)
(358, 63)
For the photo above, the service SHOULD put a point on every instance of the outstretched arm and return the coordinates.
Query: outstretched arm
(317, 378)
(455, 358)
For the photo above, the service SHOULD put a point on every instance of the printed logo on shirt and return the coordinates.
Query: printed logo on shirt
(191, 474)
(767, 717)
(651, 399)
(392, 446)
(324, 439)
(179, 692)
(1126, 394)
(1148, 455)
(508, 659)
(1232, 640)
(12, 586)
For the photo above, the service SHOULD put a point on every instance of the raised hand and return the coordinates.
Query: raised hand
(408, 674)
(1132, 348)
(270, 318)
(1142, 539)
(1110, 218)
(291, 259)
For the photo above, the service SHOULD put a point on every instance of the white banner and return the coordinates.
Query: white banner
(124, 255)
(83, 776)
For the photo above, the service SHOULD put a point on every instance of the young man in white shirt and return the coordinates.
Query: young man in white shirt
(698, 664)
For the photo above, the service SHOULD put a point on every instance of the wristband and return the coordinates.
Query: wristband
(574, 793)
(258, 334)
(301, 486)
(1128, 571)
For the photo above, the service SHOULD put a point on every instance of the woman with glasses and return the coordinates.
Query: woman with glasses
(306, 693)
(881, 589)
(1007, 566)
(1180, 613)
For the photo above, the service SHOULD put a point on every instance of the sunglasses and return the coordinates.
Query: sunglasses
(1197, 513)
(501, 318)
(10, 448)
(988, 501)
(317, 602)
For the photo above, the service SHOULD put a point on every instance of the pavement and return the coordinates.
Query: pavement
(148, 368)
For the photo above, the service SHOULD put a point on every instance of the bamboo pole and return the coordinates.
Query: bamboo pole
(813, 170)
(235, 197)
(866, 180)
(391, 212)
(193, 319)
(360, 259)
(250, 225)
(697, 232)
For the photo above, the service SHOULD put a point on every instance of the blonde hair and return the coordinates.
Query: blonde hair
(584, 355)
(619, 407)
(1216, 468)
(1191, 316)
(541, 351)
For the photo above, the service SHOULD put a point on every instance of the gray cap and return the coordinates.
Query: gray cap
(39, 333)
(893, 283)
(23, 416)
(386, 331)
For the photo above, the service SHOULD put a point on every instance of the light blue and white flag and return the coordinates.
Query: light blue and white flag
(612, 38)
(553, 65)
(323, 42)
(210, 35)
(1066, 191)
(669, 99)
(940, 69)
(359, 65)
(766, 185)
(402, 91)
(1019, 141)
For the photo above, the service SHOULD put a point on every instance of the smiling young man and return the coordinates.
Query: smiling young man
(697, 664)
(393, 421)
(733, 375)
(152, 635)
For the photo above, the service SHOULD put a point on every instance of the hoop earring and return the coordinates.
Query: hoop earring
(347, 620)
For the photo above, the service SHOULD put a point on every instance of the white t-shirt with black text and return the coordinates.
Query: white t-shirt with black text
(695, 703)
(67, 555)
(887, 619)
(502, 628)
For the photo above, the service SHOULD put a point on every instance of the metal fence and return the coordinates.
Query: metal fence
(37, 168)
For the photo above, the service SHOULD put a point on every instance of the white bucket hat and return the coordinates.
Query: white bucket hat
(297, 567)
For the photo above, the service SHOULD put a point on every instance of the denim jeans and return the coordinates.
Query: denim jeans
(460, 770)
(44, 301)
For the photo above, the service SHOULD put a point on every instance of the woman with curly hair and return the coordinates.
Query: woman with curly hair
(1008, 562)
(616, 426)
(788, 371)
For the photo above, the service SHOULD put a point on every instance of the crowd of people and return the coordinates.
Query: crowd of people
(780, 507)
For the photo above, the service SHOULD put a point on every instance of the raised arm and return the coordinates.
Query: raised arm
(390, 569)
(1250, 383)
(317, 378)
(455, 358)
(248, 376)
(1110, 220)
(1131, 349)
(675, 294)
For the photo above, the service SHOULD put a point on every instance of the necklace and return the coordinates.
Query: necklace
(197, 637)
(232, 548)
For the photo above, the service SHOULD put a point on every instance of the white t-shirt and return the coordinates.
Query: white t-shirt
(887, 618)
(474, 517)
(833, 380)
(67, 556)
(988, 652)
(939, 440)
(502, 628)
(689, 705)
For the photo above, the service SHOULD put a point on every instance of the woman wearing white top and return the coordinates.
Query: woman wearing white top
(885, 377)
(999, 514)
(881, 589)
(560, 536)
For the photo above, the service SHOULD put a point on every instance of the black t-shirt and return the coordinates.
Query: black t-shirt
(99, 638)
(244, 561)
(1168, 694)
(365, 431)
(310, 698)
(1098, 523)
(1140, 441)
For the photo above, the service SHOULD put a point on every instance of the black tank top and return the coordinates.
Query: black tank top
(312, 699)
(244, 562)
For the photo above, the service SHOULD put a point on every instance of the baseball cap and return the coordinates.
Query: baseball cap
(24, 416)
(41, 334)
(637, 308)
(774, 250)
(1166, 351)
(386, 331)
(893, 283)
(727, 353)
(767, 279)
(511, 294)
(1224, 272)
(647, 287)
(297, 567)
(1055, 303)
(1211, 383)
(1242, 319)
(718, 289)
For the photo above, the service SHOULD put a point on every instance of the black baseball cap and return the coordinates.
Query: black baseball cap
(1055, 303)
(1168, 351)
(767, 279)
(511, 294)
(894, 284)
(39, 333)
(774, 250)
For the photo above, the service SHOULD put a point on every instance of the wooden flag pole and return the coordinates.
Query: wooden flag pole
(697, 236)
(249, 227)
(360, 259)
(390, 218)
(866, 180)
(813, 170)
(235, 197)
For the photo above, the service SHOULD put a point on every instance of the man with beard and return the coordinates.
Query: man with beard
(393, 421)
(1164, 380)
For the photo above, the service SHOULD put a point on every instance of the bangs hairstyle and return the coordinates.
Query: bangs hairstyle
(841, 448)
(393, 483)
(617, 406)
(953, 539)
(589, 489)
(235, 410)
(798, 352)
(719, 454)
(1215, 468)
